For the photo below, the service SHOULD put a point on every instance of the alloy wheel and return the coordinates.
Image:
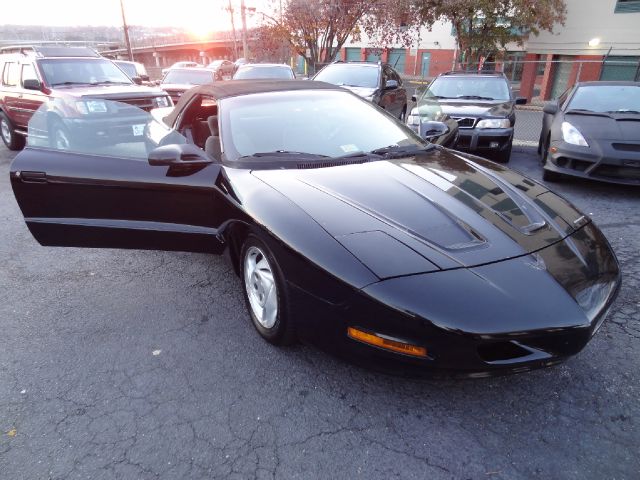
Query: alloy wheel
(261, 287)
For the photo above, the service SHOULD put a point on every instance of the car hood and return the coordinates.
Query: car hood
(113, 92)
(456, 108)
(625, 127)
(436, 211)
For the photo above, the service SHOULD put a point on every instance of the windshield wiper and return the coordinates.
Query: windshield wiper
(475, 97)
(285, 153)
(109, 82)
(584, 111)
(392, 151)
(69, 83)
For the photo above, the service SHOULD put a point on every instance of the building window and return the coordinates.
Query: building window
(627, 6)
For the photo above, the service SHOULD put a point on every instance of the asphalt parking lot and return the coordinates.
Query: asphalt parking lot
(144, 365)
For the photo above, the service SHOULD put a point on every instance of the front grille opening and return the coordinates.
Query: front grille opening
(627, 147)
(500, 351)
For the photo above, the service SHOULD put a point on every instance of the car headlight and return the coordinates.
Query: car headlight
(91, 106)
(494, 123)
(413, 120)
(571, 135)
(593, 298)
(161, 102)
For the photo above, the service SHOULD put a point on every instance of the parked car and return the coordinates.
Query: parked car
(262, 71)
(377, 82)
(346, 228)
(179, 80)
(66, 80)
(224, 69)
(484, 107)
(593, 131)
(135, 71)
(181, 65)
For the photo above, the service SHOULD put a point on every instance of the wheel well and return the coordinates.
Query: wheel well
(235, 236)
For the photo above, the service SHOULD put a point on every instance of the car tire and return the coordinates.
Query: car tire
(12, 139)
(59, 137)
(265, 292)
(503, 156)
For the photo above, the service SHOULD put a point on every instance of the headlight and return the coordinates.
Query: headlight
(91, 106)
(161, 102)
(494, 123)
(413, 120)
(593, 298)
(571, 135)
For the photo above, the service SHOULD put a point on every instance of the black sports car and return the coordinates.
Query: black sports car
(348, 230)
(593, 131)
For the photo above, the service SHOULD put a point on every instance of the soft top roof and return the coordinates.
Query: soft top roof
(235, 88)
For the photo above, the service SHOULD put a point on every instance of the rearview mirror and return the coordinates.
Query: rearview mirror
(178, 155)
(551, 108)
(391, 84)
(31, 84)
(432, 130)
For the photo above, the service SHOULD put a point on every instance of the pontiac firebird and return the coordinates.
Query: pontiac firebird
(346, 228)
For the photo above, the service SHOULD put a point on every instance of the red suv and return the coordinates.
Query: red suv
(71, 81)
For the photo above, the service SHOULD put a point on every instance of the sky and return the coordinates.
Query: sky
(199, 16)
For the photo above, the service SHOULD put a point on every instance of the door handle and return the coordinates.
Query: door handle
(32, 177)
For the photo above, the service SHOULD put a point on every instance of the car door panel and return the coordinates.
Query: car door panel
(73, 199)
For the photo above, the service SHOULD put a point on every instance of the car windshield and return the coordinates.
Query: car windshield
(75, 71)
(350, 75)
(257, 72)
(128, 68)
(100, 127)
(190, 77)
(606, 98)
(327, 123)
(472, 88)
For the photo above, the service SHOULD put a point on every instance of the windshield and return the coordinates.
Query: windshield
(70, 71)
(128, 68)
(318, 122)
(256, 72)
(190, 77)
(350, 75)
(478, 88)
(99, 127)
(606, 98)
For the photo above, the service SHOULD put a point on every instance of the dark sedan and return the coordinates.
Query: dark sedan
(224, 69)
(593, 131)
(178, 80)
(346, 228)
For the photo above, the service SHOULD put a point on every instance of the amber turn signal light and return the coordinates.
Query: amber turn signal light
(386, 343)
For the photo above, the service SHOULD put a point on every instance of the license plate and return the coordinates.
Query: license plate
(138, 130)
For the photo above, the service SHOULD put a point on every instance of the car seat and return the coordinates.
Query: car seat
(212, 146)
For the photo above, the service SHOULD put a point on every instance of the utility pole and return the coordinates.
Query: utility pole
(243, 14)
(126, 32)
(233, 29)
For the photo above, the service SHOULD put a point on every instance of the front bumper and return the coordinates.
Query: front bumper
(599, 161)
(476, 322)
(484, 140)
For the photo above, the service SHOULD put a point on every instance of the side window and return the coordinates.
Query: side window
(28, 73)
(11, 74)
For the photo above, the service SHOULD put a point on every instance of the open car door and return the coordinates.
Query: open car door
(99, 173)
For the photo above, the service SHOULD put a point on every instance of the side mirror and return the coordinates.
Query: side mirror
(433, 130)
(32, 84)
(137, 80)
(391, 84)
(157, 82)
(521, 100)
(414, 98)
(145, 78)
(178, 155)
(551, 108)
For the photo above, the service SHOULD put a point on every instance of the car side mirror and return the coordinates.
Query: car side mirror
(521, 100)
(414, 98)
(178, 155)
(551, 108)
(391, 84)
(32, 84)
(145, 78)
(433, 130)
(137, 80)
